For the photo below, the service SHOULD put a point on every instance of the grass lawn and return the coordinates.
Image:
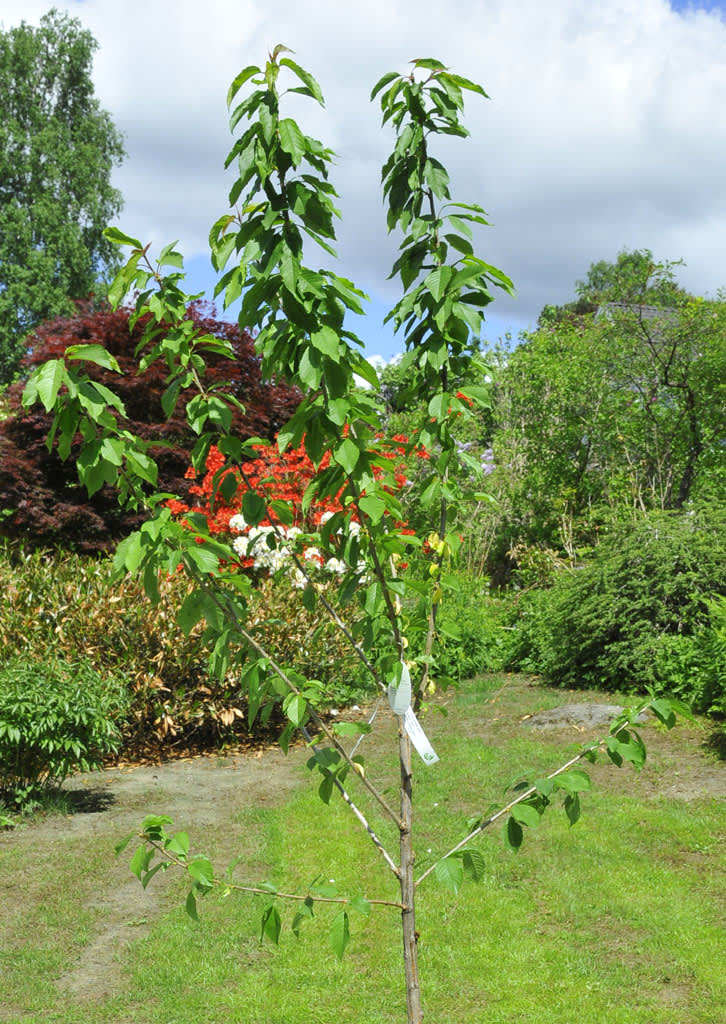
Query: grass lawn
(618, 920)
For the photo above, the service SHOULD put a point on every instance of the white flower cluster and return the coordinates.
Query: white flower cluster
(271, 549)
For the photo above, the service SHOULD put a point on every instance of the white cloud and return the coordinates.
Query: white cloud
(605, 128)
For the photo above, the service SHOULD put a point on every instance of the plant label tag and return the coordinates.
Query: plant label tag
(399, 697)
(418, 737)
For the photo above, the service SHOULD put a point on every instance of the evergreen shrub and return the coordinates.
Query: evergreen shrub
(619, 621)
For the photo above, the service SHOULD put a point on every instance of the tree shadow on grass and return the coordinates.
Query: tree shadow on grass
(715, 742)
(88, 801)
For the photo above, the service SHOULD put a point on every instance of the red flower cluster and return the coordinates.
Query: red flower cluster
(276, 476)
(273, 476)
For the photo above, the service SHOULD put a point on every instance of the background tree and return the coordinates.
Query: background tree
(605, 416)
(57, 151)
(40, 492)
(635, 278)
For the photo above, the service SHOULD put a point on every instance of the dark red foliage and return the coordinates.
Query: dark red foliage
(47, 505)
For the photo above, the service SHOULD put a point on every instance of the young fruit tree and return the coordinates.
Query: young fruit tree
(282, 201)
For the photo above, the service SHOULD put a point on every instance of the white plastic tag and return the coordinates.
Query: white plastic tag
(399, 697)
(418, 737)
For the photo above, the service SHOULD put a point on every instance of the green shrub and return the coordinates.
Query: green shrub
(646, 591)
(55, 718)
(64, 605)
(309, 641)
(694, 667)
(471, 635)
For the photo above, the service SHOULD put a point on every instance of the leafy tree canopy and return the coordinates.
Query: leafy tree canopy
(57, 151)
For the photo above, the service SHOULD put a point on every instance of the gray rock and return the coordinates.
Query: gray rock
(583, 716)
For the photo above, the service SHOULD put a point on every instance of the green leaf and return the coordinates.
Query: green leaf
(292, 140)
(295, 707)
(179, 844)
(465, 83)
(450, 872)
(325, 789)
(47, 382)
(572, 807)
(373, 507)
(474, 865)
(306, 78)
(119, 238)
(361, 906)
(254, 508)
(513, 834)
(304, 914)
(201, 871)
(271, 925)
(122, 843)
(664, 712)
(326, 341)
(340, 934)
(169, 257)
(347, 455)
(389, 77)
(191, 611)
(240, 79)
(437, 281)
(141, 860)
(93, 354)
(191, 906)
(574, 781)
(526, 814)
(351, 728)
(545, 786)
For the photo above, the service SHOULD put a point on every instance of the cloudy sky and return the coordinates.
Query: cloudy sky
(605, 128)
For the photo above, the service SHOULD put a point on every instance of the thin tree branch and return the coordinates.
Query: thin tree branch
(483, 825)
(259, 891)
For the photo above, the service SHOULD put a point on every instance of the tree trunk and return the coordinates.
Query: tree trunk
(408, 889)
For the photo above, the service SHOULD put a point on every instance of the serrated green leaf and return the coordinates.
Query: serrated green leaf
(450, 872)
(474, 865)
(340, 934)
(292, 140)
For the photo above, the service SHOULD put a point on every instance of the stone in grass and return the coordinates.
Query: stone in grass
(581, 716)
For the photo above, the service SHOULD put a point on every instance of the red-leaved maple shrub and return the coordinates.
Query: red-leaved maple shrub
(45, 504)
